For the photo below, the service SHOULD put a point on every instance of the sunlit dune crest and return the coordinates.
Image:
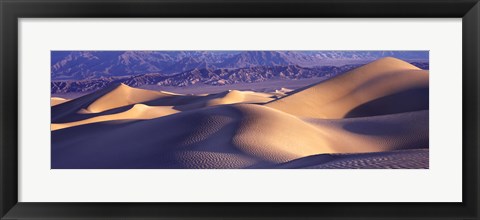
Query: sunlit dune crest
(235, 96)
(137, 112)
(108, 104)
(57, 100)
(388, 85)
(121, 96)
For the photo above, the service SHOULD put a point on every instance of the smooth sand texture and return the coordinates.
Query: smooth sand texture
(228, 97)
(138, 111)
(371, 117)
(384, 86)
(124, 95)
(376, 133)
(57, 100)
(244, 135)
(121, 96)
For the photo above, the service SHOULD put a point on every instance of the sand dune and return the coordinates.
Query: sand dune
(376, 133)
(57, 100)
(227, 97)
(118, 98)
(123, 95)
(65, 111)
(137, 112)
(384, 86)
(399, 159)
(227, 131)
(235, 96)
(375, 116)
(244, 134)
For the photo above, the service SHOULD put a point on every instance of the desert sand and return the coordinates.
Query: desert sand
(57, 100)
(375, 116)
(384, 86)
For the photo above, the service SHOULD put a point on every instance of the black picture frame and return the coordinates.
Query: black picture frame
(12, 10)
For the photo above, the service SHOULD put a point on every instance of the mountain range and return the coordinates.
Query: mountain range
(81, 65)
(213, 77)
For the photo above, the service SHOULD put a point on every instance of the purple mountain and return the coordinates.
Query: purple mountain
(81, 65)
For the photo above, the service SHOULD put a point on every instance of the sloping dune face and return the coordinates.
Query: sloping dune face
(407, 130)
(379, 160)
(227, 97)
(235, 96)
(227, 136)
(57, 101)
(119, 102)
(112, 97)
(385, 86)
(121, 96)
(138, 111)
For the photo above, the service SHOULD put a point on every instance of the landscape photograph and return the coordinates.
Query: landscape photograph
(243, 109)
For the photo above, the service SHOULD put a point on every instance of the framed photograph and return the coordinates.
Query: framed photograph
(205, 109)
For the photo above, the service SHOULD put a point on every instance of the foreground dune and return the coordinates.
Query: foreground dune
(400, 159)
(384, 86)
(227, 136)
(376, 133)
